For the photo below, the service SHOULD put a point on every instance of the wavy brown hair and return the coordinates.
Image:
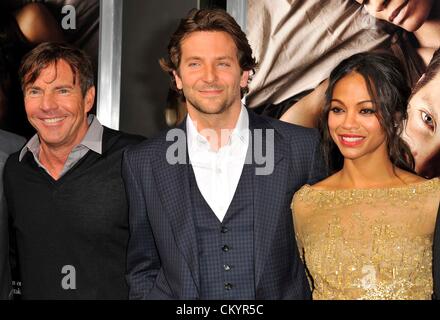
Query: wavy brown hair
(389, 91)
(208, 20)
(48, 53)
(431, 71)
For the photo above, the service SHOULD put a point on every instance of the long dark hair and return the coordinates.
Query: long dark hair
(389, 92)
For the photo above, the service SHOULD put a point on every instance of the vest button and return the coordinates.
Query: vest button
(225, 248)
(228, 286)
(224, 230)
(227, 267)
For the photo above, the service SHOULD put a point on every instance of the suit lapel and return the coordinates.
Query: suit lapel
(267, 206)
(174, 188)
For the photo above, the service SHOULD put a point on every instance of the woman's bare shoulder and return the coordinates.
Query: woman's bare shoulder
(409, 177)
(329, 183)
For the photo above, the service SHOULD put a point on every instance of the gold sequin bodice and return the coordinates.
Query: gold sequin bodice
(368, 243)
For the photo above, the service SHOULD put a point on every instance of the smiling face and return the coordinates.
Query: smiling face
(352, 120)
(209, 73)
(407, 14)
(421, 130)
(56, 107)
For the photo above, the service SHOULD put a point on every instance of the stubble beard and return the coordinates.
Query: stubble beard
(201, 107)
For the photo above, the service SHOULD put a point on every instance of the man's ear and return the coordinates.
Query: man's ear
(244, 79)
(89, 99)
(179, 84)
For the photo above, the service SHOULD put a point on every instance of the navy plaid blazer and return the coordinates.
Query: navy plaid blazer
(162, 259)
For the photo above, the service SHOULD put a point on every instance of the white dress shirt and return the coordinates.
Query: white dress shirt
(217, 173)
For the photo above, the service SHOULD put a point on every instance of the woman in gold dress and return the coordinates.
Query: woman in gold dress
(366, 231)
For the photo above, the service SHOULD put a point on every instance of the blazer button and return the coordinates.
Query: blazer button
(227, 267)
(225, 248)
(224, 230)
(228, 286)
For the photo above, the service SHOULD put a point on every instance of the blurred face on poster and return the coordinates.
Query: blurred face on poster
(407, 14)
(421, 131)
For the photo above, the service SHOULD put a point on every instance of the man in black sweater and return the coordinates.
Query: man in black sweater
(66, 199)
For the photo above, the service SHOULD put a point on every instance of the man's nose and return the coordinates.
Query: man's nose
(49, 102)
(210, 74)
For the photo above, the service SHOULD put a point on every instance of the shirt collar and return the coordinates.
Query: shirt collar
(33, 145)
(240, 132)
(92, 140)
(241, 129)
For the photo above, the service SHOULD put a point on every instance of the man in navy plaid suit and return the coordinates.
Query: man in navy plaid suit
(209, 201)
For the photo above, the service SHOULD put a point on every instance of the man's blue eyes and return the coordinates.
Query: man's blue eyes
(220, 64)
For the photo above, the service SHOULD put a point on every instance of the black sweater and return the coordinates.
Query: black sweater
(79, 221)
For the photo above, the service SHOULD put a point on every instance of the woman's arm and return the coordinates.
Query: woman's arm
(306, 112)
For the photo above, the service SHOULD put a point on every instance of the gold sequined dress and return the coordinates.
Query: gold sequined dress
(368, 243)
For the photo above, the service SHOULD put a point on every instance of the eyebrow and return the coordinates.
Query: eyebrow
(428, 100)
(200, 58)
(193, 58)
(64, 86)
(33, 88)
(359, 103)
(224, 58)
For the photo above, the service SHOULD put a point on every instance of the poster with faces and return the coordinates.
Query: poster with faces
(25, 24)
(298, 43)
